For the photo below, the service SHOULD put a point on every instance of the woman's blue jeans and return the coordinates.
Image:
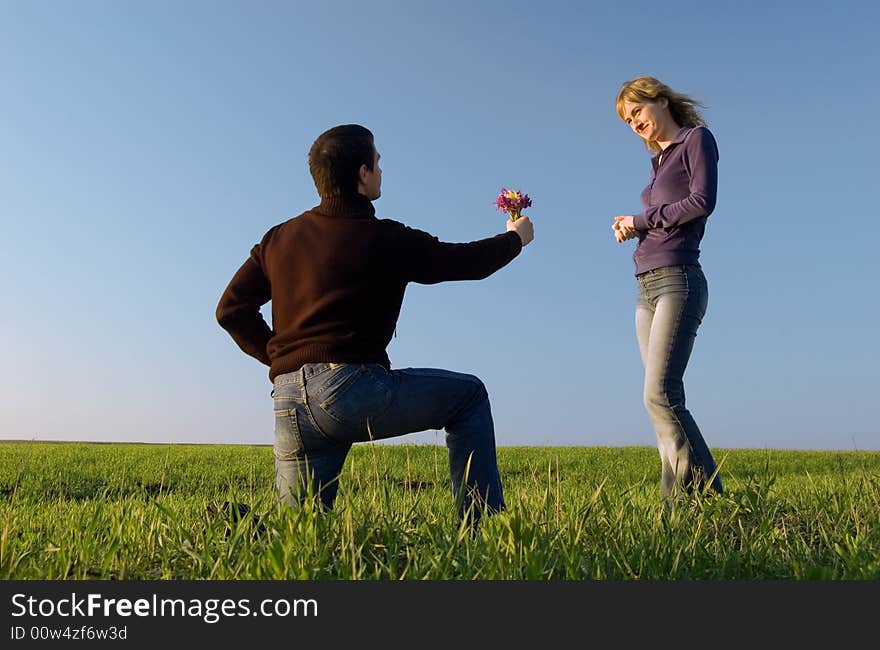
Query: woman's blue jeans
(671, 304)
(323, 408)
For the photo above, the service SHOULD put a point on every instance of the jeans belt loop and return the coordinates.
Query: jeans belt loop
(302, 381)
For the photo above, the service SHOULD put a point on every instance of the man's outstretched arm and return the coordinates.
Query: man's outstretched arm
(427, 260)
(239, 309)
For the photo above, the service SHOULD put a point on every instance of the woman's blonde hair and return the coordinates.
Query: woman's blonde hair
(684, 110)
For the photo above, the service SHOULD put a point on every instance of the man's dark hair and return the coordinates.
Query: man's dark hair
(336, 157)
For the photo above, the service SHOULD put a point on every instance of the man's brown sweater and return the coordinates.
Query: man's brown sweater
(336, 276)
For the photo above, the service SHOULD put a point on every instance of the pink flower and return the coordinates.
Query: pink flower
(512, 202)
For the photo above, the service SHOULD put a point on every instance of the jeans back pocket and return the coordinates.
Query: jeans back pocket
(288, 440)
(362, 397)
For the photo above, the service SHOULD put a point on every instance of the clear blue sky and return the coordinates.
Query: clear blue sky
(146, 146)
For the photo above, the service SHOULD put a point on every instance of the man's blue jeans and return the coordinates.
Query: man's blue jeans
(671, 304)
(323, 408)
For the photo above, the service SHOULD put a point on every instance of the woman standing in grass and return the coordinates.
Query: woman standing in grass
(672, 290)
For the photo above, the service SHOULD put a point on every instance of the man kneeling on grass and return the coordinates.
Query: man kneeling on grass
(336, 276)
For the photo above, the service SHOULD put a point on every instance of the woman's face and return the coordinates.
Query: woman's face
(649, 120)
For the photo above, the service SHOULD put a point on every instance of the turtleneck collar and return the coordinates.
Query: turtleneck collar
(357, 206)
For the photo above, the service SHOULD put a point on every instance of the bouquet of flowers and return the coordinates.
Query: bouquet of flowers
(512, 202)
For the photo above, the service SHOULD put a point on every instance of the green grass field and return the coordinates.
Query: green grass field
(125, 511)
